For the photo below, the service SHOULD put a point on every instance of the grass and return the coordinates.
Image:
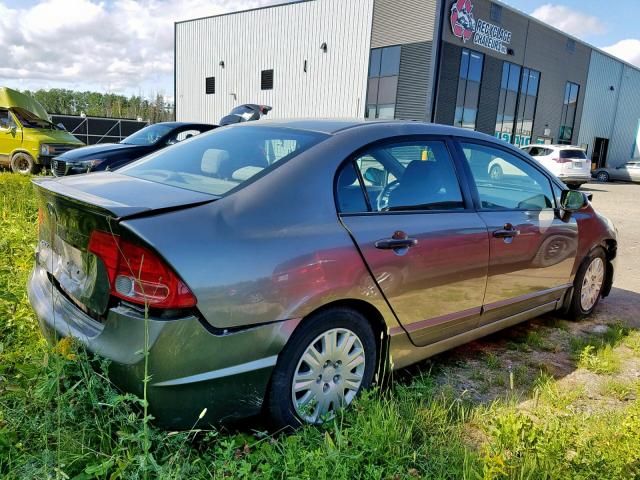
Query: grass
(61, 418)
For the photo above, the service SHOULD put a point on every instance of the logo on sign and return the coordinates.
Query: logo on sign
(463, 25)
(484, 34)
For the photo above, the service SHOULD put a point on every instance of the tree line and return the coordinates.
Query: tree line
(96, 104)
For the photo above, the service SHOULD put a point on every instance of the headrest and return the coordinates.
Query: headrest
(212, 159)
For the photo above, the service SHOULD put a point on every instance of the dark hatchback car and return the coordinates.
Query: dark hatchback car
(285, 265)
(109, 156)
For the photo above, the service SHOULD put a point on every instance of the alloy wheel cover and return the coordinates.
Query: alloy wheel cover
(328, 375)
(592, 284)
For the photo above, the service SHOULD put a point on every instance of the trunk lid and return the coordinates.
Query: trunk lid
(71, 208)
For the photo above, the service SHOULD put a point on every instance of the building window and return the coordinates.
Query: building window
(266, 80)
(526, 106)
(517, 104)
(210, 85)
(496, 12)
(569, 107)
(468, 89)
(384, 68)
(571, 45)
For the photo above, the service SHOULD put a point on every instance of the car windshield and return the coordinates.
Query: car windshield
(220, 161)
(148, 135)
(577, 154)
(29, 120)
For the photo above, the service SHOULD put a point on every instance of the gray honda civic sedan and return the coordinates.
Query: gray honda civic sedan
(284, 266)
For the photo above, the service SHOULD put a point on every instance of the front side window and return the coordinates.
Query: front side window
(402, 176)
(5, 119)
(568, 118)
(468, 95)
(382, 86)
(223, 159)
(505, 181)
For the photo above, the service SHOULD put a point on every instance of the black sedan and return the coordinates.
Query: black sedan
(109, 156)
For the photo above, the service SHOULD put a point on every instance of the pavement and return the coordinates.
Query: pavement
(620, 202)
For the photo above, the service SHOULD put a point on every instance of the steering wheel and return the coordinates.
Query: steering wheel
(382, 202)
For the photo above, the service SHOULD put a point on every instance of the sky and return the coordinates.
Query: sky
(126, 46)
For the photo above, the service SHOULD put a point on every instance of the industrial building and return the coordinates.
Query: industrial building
(477, 64)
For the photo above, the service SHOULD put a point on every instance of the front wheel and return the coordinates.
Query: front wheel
(588, 284)
(496, 173)
(24, 164)
(329, 359)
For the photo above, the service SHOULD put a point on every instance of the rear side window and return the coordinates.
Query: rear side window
(221, 160)
(578, 154)
(399, 177)
(505, 181)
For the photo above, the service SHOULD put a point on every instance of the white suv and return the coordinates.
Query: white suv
(567, 162)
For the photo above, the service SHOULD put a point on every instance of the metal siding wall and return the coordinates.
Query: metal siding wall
(398, 22)
(600, 103)
(611, 114)
(414, 82)
(281, 38)
(489, 95)
(546, 52)
(627, 118)
(448, 84)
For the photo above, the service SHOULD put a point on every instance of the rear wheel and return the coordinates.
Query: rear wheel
(24, 164)
(602, 177)
(588, 284)
(330, 358)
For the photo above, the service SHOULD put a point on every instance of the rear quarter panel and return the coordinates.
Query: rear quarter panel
(272, 250)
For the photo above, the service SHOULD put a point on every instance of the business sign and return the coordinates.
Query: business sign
(481, 32)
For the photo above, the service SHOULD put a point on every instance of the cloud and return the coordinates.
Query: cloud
(570, 21)
(123, 46)
(628, 50)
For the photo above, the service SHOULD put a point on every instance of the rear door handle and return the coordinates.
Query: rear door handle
(393, 243)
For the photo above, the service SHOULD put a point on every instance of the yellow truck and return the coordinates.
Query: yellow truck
(28, 139)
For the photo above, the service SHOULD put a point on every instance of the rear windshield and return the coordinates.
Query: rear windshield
(148, 135)
(572, 154)
(223, 159)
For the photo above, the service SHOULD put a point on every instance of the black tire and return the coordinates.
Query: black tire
(279, 401)
(24, 164)
(576, 309)
(496, 173)
(602, 177)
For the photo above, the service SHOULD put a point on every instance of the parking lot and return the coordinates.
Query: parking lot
(618, 202)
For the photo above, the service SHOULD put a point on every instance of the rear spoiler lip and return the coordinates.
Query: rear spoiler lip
(105, 206)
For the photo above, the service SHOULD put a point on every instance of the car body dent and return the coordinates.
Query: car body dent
(260, 260)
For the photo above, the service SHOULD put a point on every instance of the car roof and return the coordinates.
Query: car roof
(186, 124)
(565, 147)
(336, 126)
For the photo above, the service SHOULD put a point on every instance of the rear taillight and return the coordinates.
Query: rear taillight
(138, 275)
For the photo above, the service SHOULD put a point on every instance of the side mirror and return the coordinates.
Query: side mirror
(375, 176)
(572, 200)
(61, 126)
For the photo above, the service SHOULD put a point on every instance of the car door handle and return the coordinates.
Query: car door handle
(394, 243)
(507, 232)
